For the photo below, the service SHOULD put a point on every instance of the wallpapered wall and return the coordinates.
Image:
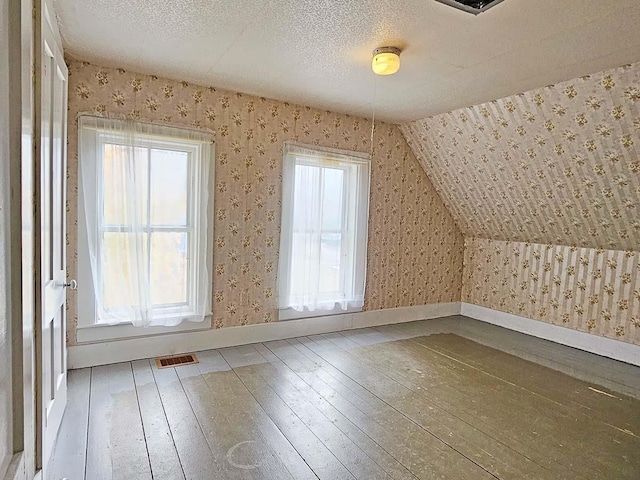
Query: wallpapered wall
(591, 290)
(414, 249)
(558, 165)
(555, 165)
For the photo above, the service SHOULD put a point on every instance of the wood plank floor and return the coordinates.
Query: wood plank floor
(395, 402)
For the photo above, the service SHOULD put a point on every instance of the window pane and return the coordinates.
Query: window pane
(304, 264)
(169, 187)
(118, 283)
(319, 198)
(306, 202)
(330, 250)
(332, 199)
(316, 265)
(118, 173)
(169, 253)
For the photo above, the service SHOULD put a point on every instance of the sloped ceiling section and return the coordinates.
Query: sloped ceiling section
(556, 165)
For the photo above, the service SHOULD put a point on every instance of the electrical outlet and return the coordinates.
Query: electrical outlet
(244, 297)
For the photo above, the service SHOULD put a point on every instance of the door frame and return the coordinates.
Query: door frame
(21, 220)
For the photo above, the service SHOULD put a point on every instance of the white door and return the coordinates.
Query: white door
(51, 95)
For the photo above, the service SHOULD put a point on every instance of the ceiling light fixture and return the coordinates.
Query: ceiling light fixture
(386, 60)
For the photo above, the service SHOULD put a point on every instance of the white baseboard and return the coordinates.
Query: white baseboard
(123, 350)
(606, 347)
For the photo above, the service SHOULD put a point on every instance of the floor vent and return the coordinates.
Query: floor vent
(176, 360)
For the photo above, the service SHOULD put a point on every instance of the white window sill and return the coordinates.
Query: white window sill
(102, 333)
(291, 314)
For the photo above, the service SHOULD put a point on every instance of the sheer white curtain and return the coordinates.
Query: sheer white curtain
(144, 225)
(323, 240)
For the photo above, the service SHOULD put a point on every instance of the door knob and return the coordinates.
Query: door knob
(73, 285)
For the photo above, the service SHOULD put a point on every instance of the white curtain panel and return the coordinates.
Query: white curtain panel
(144, 209)
(323, 242)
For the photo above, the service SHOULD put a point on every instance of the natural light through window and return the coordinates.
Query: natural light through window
(324, 231)
(145, 192)
(166, 230)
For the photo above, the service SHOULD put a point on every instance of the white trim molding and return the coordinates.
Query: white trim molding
(103, 332)
(16, 469)
(123, 350)
(607, 347)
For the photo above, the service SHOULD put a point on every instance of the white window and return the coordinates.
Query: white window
(323, 241)
(144, 236)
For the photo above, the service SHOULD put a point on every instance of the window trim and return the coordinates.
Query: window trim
(360, 225)
(88, 330)
(100, 332)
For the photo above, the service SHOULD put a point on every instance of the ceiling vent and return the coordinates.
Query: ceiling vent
(471, 6)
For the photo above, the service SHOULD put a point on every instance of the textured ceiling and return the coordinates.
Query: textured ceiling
(318, 52)
(556, 165)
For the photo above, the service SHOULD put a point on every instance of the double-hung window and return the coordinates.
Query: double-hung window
(323, 242)
(144, 230)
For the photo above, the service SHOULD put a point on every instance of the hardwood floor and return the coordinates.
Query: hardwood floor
(395, 402)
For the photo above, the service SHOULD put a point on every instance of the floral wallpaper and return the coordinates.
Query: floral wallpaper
(557, 165)
(591, 290)
(414, 247)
